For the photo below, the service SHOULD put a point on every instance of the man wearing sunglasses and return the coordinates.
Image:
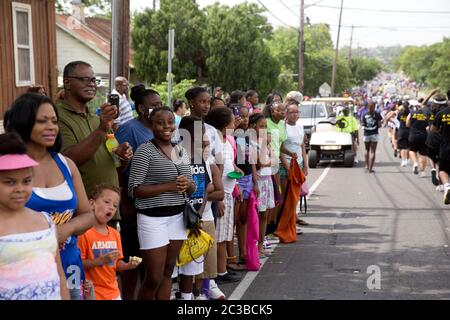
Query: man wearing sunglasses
(84, 134)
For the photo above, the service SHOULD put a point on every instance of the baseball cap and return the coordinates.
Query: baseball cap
(16, 161)
(439, 99)
(295, 95)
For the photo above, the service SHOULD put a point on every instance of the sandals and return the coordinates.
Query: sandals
(235, 266)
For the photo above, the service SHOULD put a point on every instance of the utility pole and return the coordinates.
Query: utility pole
(120, 44)
(351, 44)
(154, 5)
(171, 55)
(301, 48)
(333, 77)
(114, 54)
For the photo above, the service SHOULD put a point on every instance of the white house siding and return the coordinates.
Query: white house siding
(70, 49)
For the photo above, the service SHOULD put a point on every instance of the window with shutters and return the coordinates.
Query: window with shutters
(23, 44)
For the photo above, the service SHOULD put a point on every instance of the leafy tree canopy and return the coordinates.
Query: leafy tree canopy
(427, 64)
(150, 40)
(235, 39)
(178, 90)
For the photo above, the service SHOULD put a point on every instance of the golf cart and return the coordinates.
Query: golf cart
(326, 143)
(311, 113)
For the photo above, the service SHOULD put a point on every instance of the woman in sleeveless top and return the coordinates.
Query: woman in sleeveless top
(58, 188)
(30, 266)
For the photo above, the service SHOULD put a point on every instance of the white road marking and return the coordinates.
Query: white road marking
(240, 290)
(243, 286)
(316, 184)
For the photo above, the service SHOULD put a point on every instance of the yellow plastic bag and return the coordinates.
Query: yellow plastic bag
(194, 247)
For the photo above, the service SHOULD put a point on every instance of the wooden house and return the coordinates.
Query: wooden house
(27, 48)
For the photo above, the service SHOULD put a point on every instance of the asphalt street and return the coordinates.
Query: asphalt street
(371, 236)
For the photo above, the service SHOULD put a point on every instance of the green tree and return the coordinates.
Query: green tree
(416, 62)
(283, 46)
(439, 75)
(150, 35)
(318, 64)
(238, 56)
(427, 64)
(364, 69)
(178, 90)
(319, 56)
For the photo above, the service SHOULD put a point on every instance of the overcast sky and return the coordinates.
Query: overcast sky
(377, 22)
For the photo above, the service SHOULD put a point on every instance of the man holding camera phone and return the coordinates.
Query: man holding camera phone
(119, 97)
(83, 133)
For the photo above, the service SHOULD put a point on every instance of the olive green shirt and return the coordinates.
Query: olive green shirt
(75, 127)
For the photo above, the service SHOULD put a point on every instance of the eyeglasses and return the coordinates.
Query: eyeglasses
(87, 80)
(156, 105)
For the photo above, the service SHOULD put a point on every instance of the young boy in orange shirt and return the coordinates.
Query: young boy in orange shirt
(101, 247)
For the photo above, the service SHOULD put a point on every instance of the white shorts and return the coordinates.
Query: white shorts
(157, 232)
(225, 224)
(372, 138)
(189, 269)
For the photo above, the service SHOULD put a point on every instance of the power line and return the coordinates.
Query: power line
(384, 10)
(309, 5)
(313, 4)
(394, 28)
(295, 13)
(265, 8)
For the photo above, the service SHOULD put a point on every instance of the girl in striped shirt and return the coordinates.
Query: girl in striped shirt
(160, 175)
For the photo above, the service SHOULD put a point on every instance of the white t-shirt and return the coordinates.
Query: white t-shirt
(264, 157)
(294, 143)
(265, 171)
(215, 141)
(228, 166)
